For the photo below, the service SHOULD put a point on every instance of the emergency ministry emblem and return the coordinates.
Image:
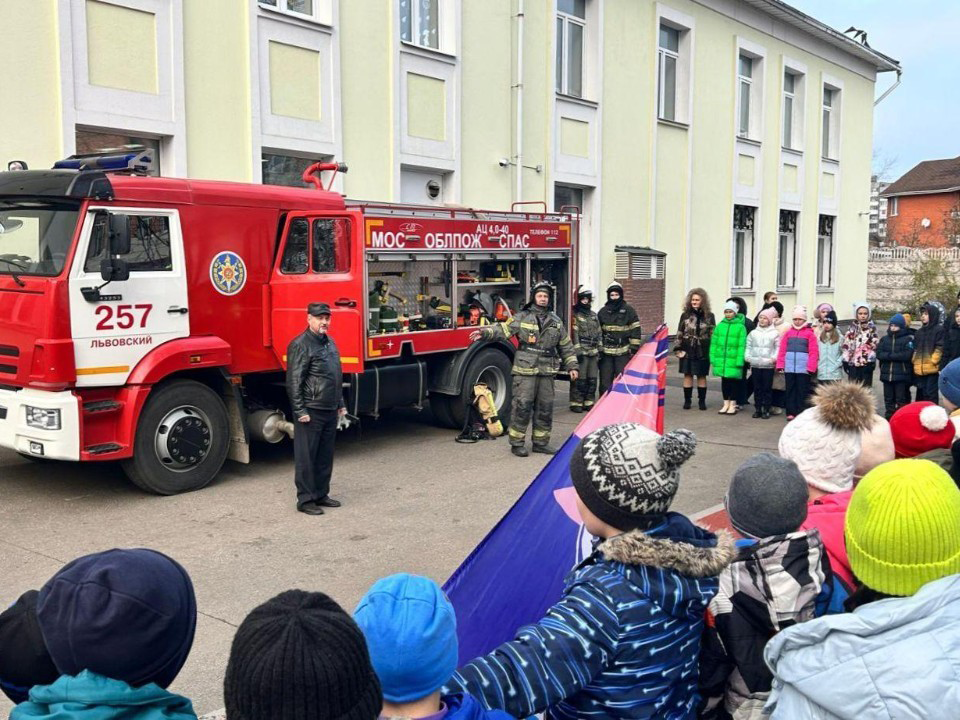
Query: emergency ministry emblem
(228, 273)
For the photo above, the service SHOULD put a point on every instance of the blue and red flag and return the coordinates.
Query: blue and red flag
(516, 572)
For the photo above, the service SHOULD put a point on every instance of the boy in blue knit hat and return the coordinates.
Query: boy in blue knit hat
(895, 353)
(624, 639)
(411, 632)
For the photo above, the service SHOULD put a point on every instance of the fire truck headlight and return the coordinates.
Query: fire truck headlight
(43, 418)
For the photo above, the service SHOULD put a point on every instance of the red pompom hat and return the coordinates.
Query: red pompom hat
(920, 427)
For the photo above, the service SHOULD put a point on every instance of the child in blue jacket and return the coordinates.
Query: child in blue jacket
(624, 640)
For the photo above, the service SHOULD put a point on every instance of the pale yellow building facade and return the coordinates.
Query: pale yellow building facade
(733, 135)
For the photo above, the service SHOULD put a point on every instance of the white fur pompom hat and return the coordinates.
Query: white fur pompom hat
(825, 440)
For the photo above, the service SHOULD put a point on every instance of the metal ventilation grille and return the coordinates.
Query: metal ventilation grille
(636, 266)
(623, 265)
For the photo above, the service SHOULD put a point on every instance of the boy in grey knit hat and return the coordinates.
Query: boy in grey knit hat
(624, 639)
(776, 580)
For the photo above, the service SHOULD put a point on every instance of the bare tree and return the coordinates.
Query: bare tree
(951, 224)
(883, 163)
(908, 235)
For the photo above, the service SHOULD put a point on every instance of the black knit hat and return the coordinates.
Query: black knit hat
(831, 317)
(627, 474)
(299, 656)
(24, 660)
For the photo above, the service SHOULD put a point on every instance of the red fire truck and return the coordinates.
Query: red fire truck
(146, 319)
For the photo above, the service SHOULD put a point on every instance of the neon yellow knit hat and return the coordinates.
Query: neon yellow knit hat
(903, 527)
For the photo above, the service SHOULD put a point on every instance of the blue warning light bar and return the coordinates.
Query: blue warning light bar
(138, 161)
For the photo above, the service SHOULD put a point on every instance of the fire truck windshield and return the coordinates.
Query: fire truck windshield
(35, 236)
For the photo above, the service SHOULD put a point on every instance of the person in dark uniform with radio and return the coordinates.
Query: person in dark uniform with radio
(544, 344)
(621, 335)
(315, 387)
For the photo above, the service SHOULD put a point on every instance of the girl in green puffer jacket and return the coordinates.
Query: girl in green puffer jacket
(726, 355)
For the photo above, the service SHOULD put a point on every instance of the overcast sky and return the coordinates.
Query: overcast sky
(920, 120)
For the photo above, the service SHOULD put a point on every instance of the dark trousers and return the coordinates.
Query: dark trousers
(610, 367)
(730, 387)
(584, 389)
(862, 375)
(763, 387)
(313, 455)
(532, 399)
(746, 387)
(795, 397)
(928, 387)
(895, 396)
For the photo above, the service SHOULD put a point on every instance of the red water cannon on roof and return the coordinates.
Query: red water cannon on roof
(312, 173)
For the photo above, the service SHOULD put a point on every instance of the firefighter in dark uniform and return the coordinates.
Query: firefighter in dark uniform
(586, 343)
(544, 344)
(621, 335)
(315, 387)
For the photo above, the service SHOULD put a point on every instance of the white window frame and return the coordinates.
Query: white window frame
(445, 16)
(830, 256)
(830, 129)
(747, 267)
(789, 282)
(662, 55)
(562, 83)
(893, 206)
(683, 100)
(322, 11)
(799, 72)
(755, 84)
(744, 83)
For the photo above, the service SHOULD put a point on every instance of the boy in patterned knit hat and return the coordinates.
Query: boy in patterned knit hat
(624, 640)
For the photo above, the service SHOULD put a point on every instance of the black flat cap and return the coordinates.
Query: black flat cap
(318, 309)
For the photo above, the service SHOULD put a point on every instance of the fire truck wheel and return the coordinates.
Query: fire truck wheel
(493, 368)
(182, 439)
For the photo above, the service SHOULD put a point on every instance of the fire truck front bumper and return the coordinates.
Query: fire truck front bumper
(44, 424)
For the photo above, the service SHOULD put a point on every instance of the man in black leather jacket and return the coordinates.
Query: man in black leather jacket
(315, 387)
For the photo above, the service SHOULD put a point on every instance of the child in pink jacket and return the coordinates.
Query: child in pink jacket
(797, 358)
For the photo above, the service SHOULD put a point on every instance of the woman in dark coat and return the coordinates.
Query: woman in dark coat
(693, 345)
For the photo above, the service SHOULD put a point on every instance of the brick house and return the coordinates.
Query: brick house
(923, 206)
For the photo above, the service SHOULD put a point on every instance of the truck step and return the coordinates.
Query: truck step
(101, 406)
(102, 449)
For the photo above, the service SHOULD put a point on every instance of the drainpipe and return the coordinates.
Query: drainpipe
(889, 90)
(518, 197)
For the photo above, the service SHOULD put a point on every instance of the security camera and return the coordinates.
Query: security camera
(503, 162)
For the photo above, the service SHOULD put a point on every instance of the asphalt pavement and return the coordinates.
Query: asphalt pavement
(413, 500)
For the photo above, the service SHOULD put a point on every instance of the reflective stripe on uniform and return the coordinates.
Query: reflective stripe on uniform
(524, 371)
(541, 433)
(616, 328)
(636, 341)
(634, 326)
(616, 351)
(570, 361)
(529, 326)
(514, 433)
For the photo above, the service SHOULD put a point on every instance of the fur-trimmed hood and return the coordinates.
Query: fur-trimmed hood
(693, 560)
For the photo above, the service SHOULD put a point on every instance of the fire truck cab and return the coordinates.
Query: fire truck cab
(146, 319)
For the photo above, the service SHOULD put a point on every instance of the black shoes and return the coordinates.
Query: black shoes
(544, 449)
(757, 414)
(328, 501)
(765, 414)
(310, 508)
(576, 409)
(519, 450)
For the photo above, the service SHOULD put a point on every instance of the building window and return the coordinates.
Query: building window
(893, 208)
(420, 22)
(91, 142)
(565, 196)
(787, 250)
(571, 30)
(825, 251)
(831, 112)
(279, 169)
(318, 10)
(745, 73)
(789, 103)
(668, 62)
(742, 275)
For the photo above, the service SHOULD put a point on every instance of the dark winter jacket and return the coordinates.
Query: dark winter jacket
(799, 351)
(624, 640)
(895, 354)
(928, 344)
(773, 584)
(951, 344)
(543, 342)
(586, 332)
(620, 327)
(728, 347)
(314, 373)
(694, 333)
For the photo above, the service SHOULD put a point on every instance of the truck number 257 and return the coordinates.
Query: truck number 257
(121, 317)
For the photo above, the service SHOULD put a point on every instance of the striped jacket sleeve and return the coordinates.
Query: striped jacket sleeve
(549, 661)
(504, 330)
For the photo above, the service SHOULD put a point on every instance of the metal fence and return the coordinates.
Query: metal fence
(908, 253)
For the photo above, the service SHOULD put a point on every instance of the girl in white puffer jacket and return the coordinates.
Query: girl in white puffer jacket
(762, 345)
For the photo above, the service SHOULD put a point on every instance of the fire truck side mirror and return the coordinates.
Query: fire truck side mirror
(119, 234)
(114, 270)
